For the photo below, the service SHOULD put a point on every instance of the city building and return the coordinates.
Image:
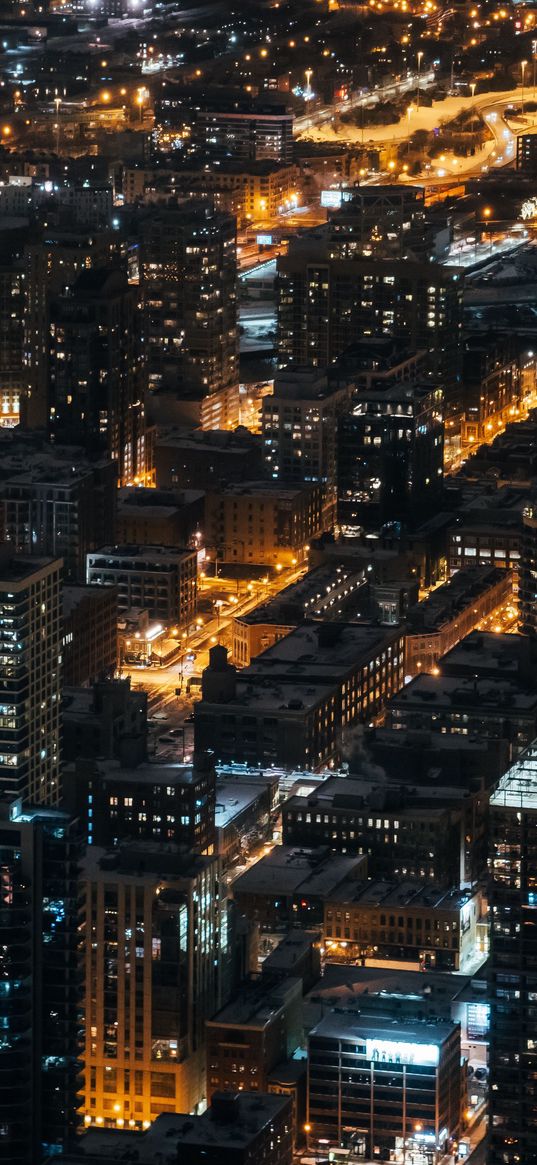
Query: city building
(290, 885)
(378, 1084)
(513, 965)
(405, 830)
(326, 304)
(52, 262)
(293, 706)
(526, 152)
(487, 531)
(263, 522)
(188, 282)
(153, 931)
(243, 815)
(96, 391)
(226, 123)
(386, 221)
(451, 612)
(203, 460)
(252, 1034)
(108, 721)
(329, 592)
(297, 953)
(237, 1129)
(485, 689)
(430, 926)
(390, 455)
(89, 634)
(39, 985)
(253, 191)
(492, 385)
(12, 377)
(152, 802)
(299, 430)
(30, 672)
(161, 578)
(156, 517)
(527, 578)
(55, 500)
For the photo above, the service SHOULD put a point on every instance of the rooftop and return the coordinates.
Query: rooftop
(448, 601)
(258, 1003)
(289, 870)
(396, 895)
(485, 693)
(322, 651)
(17, 569)
(144, 861)
(352, 1024)
(233, 799)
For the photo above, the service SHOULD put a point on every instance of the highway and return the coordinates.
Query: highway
(328, 112)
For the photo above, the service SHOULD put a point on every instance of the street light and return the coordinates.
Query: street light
(420, 58)
(523, 70)
(57, 103)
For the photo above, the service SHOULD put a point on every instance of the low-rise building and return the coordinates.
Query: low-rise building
(327, 592)
(438, 833)
(487, 531)
(238, 1128)
(377, 1082)
(425, 924)
(156, 517)
(450, 613)
(498, 708)
(298, 953)
(263, 523)
(289, 885)
(205, 459)
(242, 816)
(253, 1033)
(161, 578)
(292, 704)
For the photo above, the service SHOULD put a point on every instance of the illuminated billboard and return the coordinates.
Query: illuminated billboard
(401, 1052)
(331, 199)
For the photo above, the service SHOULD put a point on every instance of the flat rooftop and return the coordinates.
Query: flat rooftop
(322, 651)
(359, 1024)
(144, 861)
(16, 569)
(288, 870)
(364, 794)
(396, 895)
(447, 602)
(233, 800)
(162, 553)
(295, 945)
(449, 692)
(258, 1003)
(317, 589)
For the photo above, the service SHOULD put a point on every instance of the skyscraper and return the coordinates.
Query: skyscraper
(390, 455)
(95, 370)
(154, 937)
(30, 666)
(188, 276)
(513, 970)
(38, 983)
